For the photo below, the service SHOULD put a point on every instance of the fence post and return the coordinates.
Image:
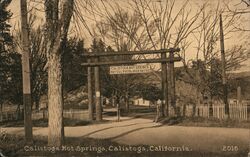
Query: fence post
(7, 116)
(71, 114)
(43, 114)
(218, 112)
(246, 112)
(172, 81)
(90, 94)
(1, 116)
(98, 107)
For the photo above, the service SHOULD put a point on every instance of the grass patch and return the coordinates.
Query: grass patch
(204, 122)
(139, 112)
(44, 123)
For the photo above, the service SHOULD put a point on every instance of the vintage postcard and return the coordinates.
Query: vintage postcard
(125, 78)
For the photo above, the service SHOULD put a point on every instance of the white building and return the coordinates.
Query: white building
(141, 102)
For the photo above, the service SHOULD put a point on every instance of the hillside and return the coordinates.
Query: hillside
(245, 74)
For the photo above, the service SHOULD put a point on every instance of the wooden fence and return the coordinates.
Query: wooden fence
(238, 111)
(71, 114)
(43, 114)
(11, 116)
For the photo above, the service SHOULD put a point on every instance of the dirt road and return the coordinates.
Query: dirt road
(143, 131)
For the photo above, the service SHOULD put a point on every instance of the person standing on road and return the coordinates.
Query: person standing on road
(158, 103)
(117, 98)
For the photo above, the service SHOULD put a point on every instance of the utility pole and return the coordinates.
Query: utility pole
(26, 73)
(90, 93)
(166, 93)
(97, 92)
(223, 69)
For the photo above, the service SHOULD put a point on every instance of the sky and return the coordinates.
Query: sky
(234, 38)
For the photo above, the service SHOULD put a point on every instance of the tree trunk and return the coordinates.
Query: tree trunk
(1, 107)
(198, 99)
(37, 102)
(55, 100)
(127, 104)
(184, 110)
(18, 112)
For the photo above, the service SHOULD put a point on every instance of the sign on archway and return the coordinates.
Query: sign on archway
(130, 69)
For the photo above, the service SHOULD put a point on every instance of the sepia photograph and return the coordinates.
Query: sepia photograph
(124, 78)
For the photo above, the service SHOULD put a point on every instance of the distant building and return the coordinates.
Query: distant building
(141, 102)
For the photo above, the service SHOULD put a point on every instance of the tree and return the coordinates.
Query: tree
(207, 52)
(6, 38)
(73, 72)
(37, 57)
(149, 25)
(120, 40)
(247, 2)
(115, 85)
(148, 91)
(37, 62)
(58, 15)
(10, 79)
(5, 42)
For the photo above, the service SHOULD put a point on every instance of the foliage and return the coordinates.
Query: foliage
(11, 79)
(148, 91)
(38, 62)
(10, 61)
(114, 85)
(74, 74)
(5, 37)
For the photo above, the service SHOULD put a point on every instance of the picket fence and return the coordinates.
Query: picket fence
(238, 111)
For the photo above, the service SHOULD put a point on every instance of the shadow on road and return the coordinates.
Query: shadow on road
(134, 130)
(107, 128)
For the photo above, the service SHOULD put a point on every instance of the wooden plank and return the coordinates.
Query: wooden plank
(91, 54)
(175, 59)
